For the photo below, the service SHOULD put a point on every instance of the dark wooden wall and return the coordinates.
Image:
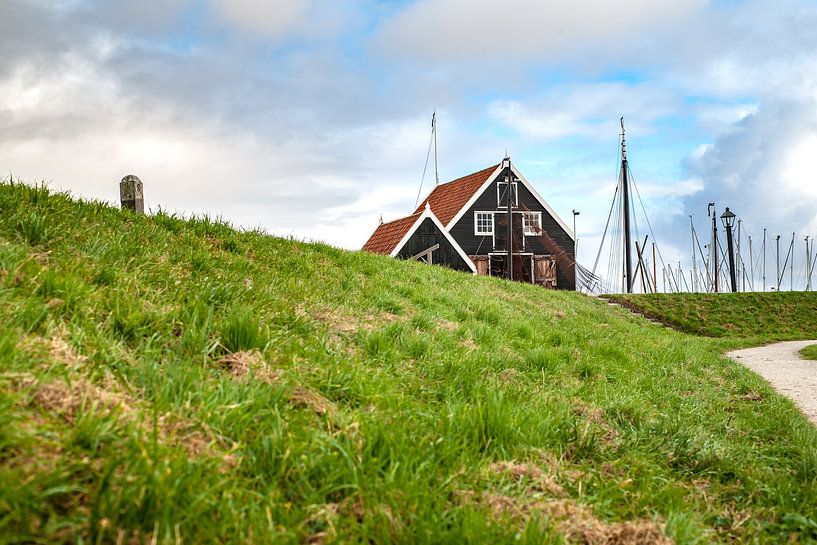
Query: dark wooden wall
(427, 235)
(463, 230)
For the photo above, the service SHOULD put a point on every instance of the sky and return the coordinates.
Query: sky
(311, 118)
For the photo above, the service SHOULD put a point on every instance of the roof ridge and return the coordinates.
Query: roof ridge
(403, 218)
(447, 199)
(466, 176)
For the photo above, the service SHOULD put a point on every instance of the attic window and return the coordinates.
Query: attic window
(532, 223)
(502, 193)
(484, 223)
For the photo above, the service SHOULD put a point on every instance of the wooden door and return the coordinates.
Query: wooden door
(545, 269)
(481, 262)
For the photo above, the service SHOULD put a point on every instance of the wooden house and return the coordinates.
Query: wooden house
(463, 224)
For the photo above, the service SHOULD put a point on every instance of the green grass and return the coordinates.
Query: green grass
(809, 352)
(762, 317)
(181, 381)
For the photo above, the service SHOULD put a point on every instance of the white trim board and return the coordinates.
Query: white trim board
(544, 203)
(427, 213)
(474, 197)
(527, 185)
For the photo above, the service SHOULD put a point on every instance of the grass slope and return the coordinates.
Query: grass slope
(762, 317)
(174, 381)
(809, 352)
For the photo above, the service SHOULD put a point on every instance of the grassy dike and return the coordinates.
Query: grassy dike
(173, 381)
(758, 317)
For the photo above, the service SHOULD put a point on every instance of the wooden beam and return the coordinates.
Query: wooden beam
(425, 252)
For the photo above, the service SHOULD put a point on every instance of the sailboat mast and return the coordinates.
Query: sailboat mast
(625, 194)
(694, 264)
(791, 275)
(764, 259)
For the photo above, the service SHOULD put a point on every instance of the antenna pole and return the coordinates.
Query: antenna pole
(654, 273)
(625, 194)
(436, 158)
(764, 259)
(778, 262)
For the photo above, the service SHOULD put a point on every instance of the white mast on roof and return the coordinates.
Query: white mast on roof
(436, 158)
(432, 140)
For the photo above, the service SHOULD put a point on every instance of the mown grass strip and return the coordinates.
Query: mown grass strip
(762, 317)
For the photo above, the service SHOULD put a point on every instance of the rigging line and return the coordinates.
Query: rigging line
(615, 245)
(644, 210)
(425, 168)
(591, 281)
(612, 206)
(615, 269)
(811, 270)
(683, 277)
(595, 263)
(783, 268)
(618, 252)
(701, 252)
(615, 239)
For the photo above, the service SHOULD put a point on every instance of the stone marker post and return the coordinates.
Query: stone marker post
(131, 194)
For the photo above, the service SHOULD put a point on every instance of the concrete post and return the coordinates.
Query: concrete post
(131, 194)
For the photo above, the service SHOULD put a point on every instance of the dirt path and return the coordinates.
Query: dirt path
(781, 365)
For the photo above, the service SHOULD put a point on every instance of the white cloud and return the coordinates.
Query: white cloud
(590, 110)
(79, 127)
(554, 29)
(764, 168)
(270, 18)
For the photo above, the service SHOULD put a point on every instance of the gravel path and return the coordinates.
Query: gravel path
(781, 366)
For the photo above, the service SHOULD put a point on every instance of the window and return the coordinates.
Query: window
(531, 223)
(502, 194)
(484, 223)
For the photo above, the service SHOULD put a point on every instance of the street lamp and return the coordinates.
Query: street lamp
(728, 219)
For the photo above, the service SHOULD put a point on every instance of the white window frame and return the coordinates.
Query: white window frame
(515, 187)
(479, 233)
(525, 223)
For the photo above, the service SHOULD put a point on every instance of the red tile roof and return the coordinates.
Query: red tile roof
(387, 235)
(447, 199)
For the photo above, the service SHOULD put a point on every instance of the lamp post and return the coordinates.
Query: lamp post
(728, 219)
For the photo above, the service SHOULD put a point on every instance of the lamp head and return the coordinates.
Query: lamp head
(728, 218)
